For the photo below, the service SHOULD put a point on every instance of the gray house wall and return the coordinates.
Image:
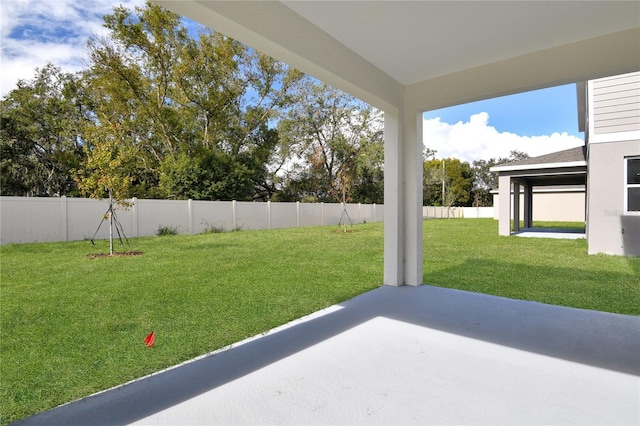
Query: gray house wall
(613, 136)
(609, 229)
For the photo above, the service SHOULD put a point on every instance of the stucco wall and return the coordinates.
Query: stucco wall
(556, 206)
(609, 230)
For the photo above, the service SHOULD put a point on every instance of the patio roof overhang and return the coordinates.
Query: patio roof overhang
(568, 167)
(407, 57)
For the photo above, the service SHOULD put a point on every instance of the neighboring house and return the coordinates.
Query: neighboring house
(559, 203)
(608, 164)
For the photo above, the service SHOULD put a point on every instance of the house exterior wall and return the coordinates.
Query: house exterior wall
(551, 205)
(613, 105)
(616, 104)
(609, 229)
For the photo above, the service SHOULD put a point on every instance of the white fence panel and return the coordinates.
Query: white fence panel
(368, 212)
(439, 212)
(209, 215)
(25, 220)
(85, 218)
(352, 213)
(284, 215)
(311, 214)
(332, 213)
(477, 212)
(251, 215)
(153, 214)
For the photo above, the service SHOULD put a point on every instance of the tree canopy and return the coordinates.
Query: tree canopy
(166, 110)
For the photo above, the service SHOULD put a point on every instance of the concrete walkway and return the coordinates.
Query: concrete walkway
(405, 355)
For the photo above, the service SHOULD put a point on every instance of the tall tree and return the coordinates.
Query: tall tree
(197, 110)
(485, 180)
(333, 144)
(456, 177)
(39, 137)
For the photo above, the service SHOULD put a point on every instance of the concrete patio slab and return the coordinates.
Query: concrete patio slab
(558, 233)
(406, 355)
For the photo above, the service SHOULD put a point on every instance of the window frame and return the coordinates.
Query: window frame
(628, 185)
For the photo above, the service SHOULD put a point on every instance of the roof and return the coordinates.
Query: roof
(568, 158)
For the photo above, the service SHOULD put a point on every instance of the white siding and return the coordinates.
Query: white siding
(616, 104)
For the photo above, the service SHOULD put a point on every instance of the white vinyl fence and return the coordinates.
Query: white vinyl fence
(437, 212)
(28, 219)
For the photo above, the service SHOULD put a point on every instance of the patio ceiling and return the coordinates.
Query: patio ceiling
(442, 53)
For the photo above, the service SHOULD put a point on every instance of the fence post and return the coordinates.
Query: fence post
(234, 219)
(190, 217)
(65, 217)
(322, 214)
(297, 214)
(360, 212)
(134, 213)
(269, 214)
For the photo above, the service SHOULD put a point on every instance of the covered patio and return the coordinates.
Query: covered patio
(564, 168)
(414, 354)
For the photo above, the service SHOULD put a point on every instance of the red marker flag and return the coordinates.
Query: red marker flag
(150, 339)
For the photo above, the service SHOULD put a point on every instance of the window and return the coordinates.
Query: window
(632, 185)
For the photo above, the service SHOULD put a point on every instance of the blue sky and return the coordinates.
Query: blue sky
(537, 122)
(34, 32)
(533, 113)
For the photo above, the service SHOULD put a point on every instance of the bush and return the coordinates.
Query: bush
(212, 228)
(166, 230)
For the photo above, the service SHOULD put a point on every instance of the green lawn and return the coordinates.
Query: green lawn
(468, 254)
(71, 325)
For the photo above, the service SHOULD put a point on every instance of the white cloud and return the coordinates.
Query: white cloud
(477, 140)
(34, 32)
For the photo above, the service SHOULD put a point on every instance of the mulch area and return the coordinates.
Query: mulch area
(115, 254)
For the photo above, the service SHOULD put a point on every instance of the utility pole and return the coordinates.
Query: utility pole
(443, 189)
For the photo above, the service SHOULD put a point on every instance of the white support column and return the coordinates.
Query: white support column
(528, 206)
(504, 202)
(516, 207)
(403, 199)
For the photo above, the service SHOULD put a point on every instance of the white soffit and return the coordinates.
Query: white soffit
(431, 54)
(539, 166)
(413, 41)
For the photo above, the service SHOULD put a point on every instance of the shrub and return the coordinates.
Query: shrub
(166, 230)
(212, 228)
